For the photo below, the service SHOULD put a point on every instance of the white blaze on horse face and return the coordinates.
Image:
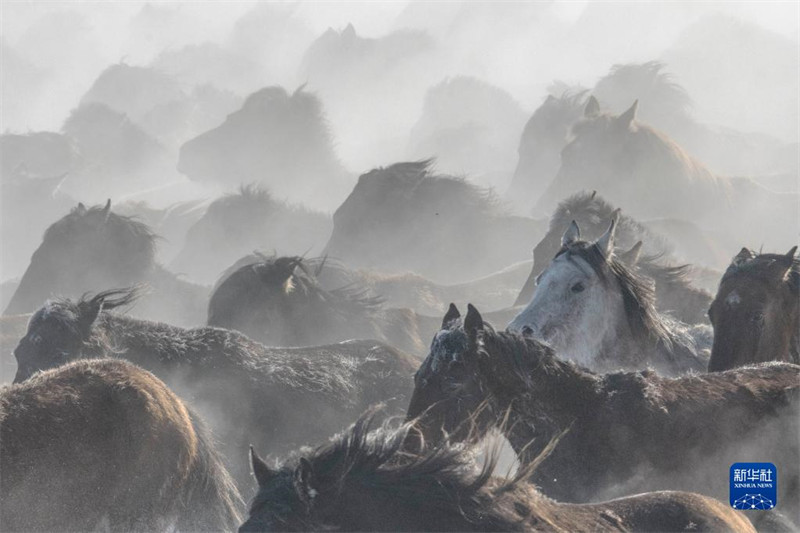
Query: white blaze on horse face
(572, 310)
(733, 298)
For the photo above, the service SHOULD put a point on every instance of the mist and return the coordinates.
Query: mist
(398, 156)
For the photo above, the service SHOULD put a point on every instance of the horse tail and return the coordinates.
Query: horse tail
(211, 501)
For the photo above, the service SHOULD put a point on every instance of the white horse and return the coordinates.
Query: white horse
(596, 311)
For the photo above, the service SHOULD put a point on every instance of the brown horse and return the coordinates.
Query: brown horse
(625, 432)
(366, 481)
(756, 313)
(105, 444)
(277, 398)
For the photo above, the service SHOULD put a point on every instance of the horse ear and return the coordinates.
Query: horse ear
(744, 255)
(631, 257)
(628, 116)
(473, 321)
(262, 472)
(791, 253)
(606, 242)
(452, 314)
(81, 209)
(304, 479)
(572, 234)
(786, 262)
(592, 108)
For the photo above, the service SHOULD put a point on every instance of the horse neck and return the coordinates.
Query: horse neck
(142, 341)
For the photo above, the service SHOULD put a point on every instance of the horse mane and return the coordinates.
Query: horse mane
(430, 188)
(441, 481)
(139, 238)
(590, 205)
(638, 297)
(646, 80)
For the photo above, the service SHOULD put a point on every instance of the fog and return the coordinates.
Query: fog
(315, 172)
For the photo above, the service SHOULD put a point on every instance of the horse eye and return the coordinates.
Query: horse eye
(578, 287)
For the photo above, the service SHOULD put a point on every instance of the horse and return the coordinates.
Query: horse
(539, 151)
(251, 219)
(595, 310)
(288, 301)
(277, 139)
(279, 302)
(647, 173)
(756, 312)
(654, 258)
(469, 124)
(93, 247)
(366, 481)
(618, 433)
(276, 398)
(118, 156)
(436, 220)
(105, 444)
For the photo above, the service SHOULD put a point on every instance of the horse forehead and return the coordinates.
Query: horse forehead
(733, 298)
(447, 345)
(567, 264)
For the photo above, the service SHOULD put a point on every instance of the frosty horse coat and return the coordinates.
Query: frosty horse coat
(279, 301)
(106, 445)
(365, 481)
(276, 398)
(619, 433)
(94, 247)
(596, 311)
(756, 313)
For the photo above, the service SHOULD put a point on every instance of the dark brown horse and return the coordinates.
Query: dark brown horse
(365, 481)
(280, 302)
(105, 444)
(277, 398)
(756, 313)
(625, 432)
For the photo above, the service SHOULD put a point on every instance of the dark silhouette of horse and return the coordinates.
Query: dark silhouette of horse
(118, 155)
(95, 247)
(278, 301)
(495, 291)
(105, 444)
(277, 139)
(653, 258)
(667, 106)
(19, 231)
(756, 312)
(277, 398)
(469, 124)
(595, 310)
(447, 228)
(539, 151)
(619, 433)
(252, 219)
(648, 174)
(365, 481)
(341, 59)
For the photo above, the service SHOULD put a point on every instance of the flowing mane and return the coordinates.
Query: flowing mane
(638, 296)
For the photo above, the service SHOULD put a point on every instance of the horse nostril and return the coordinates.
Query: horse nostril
(527, 331)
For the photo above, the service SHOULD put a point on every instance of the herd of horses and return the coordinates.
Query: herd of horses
(625, 387)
